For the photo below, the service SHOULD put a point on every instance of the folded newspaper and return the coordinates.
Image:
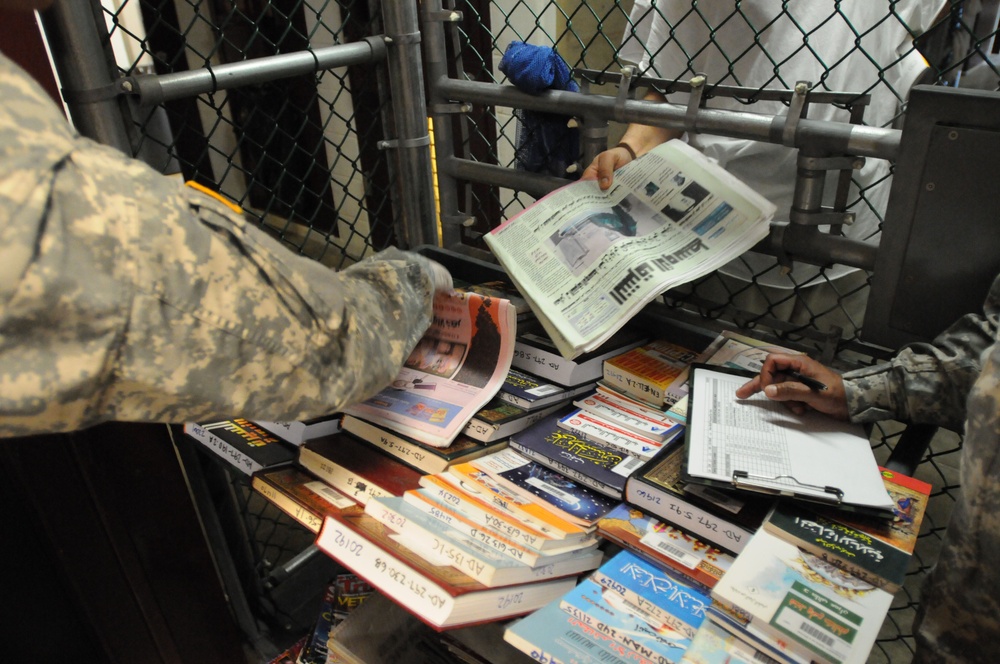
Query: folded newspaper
(588, 260)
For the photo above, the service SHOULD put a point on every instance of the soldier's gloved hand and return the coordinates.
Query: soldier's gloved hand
(439, 274)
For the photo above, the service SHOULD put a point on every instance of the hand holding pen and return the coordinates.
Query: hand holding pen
(801, 383)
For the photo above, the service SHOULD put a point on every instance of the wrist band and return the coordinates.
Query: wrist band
(628, 148)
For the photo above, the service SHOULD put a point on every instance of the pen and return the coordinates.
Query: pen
(811, 383)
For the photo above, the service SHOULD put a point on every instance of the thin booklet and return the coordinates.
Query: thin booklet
(759, 445)
(588, 260)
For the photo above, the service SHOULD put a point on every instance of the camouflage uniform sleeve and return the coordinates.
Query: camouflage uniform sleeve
(125, 295)
(927, 383)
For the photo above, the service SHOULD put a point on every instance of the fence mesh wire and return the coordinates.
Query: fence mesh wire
(301, 154)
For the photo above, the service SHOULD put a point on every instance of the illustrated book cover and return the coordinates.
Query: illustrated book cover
(595, 466)
(875, 550)
(453, 371)
(666, 600)
(666, 546)
(806, 607)
(557, 493)
(298, 432)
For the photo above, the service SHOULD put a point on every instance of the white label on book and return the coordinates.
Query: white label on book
(544, 390)
(662, 543)
(547, 488)
(329, 494)
(807, 631)
(628, 466)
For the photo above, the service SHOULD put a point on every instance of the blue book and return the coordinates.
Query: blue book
(679, 605)
(552, 636)
(595, 466)
(715, 645)
(607, 613)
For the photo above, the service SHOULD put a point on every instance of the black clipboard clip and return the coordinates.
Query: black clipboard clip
(743, 479)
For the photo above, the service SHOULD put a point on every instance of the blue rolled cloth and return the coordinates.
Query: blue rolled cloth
(544, 142)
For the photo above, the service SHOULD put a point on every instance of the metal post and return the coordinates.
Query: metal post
(418, 217)
(89, 85)
(435, 50)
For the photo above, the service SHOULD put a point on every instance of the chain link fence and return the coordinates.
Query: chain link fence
(302, 155)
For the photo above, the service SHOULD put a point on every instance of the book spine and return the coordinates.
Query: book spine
(424, 540)
(456, 522)
(409, 452)
(224, 450)
(518, 401)
(513, 526)
(542, 363)
(390, 575)
(348, 482)
(633, 420)
(695, 520)
(595, 431)
(569, 471)
(487, 432)
(288, 505)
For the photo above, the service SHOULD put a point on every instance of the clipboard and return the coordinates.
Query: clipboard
(759, 445)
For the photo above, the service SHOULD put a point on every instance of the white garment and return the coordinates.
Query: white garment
(837, 50)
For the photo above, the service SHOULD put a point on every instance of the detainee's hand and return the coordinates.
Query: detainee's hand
(774, 381)
(604, 166)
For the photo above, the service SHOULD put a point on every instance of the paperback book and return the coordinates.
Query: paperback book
(595, 466)
(420, 456)
(478, 496)
(243, 444)
(357, 469)
(552, 490)
(724, 519)
(500, 419)
(535, 353)
(531, 392)
(609, 435)
(480, 559)
(644, 373)
(298, 432)
(437, 594)
(875, 551)
(605, 611)
(666, 546)
(516, 542)
(809, 609)
(552, 636)
(628, 414)
(302, 496)
(677, 608)
(453, 371)
(713, 644)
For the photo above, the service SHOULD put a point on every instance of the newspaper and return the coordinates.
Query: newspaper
(587, 261)
(454, 370)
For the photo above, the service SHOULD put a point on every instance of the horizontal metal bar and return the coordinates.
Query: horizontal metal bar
(532, 184)
(153, 89)
(822, 136)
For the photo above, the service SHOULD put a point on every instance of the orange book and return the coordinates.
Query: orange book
(646, 372)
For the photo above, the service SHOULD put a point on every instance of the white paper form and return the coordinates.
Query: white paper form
(758, 444)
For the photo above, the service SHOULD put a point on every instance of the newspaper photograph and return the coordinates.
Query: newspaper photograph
(588, 260)
(454, 370)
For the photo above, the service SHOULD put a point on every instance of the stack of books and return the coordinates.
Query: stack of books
(626, 611)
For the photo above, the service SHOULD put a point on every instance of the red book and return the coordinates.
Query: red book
(437, 594)
(302, 496)
(356, 468)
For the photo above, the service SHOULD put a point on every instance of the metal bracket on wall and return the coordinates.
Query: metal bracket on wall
(443, 16)
(694, 102)
(624, 93)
